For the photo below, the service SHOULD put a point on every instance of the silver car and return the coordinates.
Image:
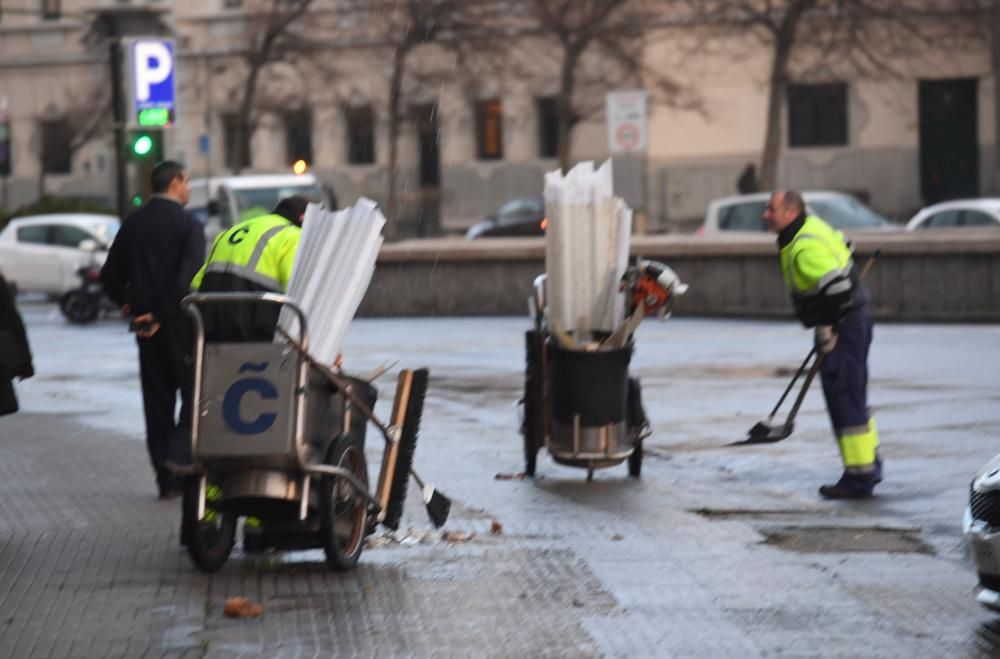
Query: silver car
(959, 213)
(982, 529)
(839, 210)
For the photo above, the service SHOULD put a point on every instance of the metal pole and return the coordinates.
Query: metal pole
(995, 38)
(118, 115)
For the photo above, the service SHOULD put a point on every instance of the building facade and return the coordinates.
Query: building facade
(473, 139)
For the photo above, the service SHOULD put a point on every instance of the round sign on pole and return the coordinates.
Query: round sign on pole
(627, 137)
(627, 119)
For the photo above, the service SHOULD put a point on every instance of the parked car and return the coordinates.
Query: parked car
(524, 216)
(44, 253)
(958, 213)
(841, 211)
(981, 524)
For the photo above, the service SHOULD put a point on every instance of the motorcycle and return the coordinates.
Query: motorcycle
(85, 303)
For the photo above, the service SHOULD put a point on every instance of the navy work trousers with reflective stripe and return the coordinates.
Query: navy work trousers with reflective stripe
(844, 372)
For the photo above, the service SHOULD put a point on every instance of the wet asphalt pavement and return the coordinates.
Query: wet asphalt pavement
(715, 551)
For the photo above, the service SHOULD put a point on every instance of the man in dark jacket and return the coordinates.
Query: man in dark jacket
(156, 252)
(15, 355)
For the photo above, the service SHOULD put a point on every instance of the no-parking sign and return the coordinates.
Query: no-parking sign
(626, 111)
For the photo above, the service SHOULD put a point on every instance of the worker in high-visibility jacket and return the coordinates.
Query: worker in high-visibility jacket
(253, 256)
(818, 269)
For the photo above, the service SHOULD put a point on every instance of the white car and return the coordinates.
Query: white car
(958, 213)
(841, 211)
(42, 253)
(982, 529)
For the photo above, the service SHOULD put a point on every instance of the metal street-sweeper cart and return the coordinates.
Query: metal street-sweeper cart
(279, 439)
(579, 400)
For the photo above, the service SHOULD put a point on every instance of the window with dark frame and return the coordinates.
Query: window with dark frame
(360, 134)
(51, 10)
(817, 115)
(489, 129)
(298, 136)
(55, 156)
(548, 126)
(232, 135)
(232, 4)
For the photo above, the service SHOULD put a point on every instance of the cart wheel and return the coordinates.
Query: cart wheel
(343, 510)
(210, 539)
(532, 427)
(635, 461)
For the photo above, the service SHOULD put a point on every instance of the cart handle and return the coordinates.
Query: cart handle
(189, 304)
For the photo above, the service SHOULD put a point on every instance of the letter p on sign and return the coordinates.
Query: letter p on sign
(153, 65)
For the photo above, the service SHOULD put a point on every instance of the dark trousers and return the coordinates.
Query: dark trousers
(165, 370)
(844, 372)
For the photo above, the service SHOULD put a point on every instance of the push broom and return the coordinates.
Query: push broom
(401, 442)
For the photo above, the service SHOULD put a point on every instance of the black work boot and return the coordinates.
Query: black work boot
(850, 486)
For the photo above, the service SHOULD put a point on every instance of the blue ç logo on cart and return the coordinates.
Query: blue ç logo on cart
(234, 398)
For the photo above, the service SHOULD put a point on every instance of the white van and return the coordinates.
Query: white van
(220, 202)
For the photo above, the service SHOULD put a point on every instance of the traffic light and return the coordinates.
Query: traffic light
(146, 144)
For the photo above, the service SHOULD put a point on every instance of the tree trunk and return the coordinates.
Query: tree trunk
(784, 42)
(395, 99)
(995, 41)
(567, 84)
(772, 131)
(243, 125)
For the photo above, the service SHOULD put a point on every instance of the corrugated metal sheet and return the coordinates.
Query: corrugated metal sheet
(586, 249)
(333, 267)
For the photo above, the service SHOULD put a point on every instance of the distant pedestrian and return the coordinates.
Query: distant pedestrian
(156, 252)
(15, 355)
(747, 182)
(818, 269)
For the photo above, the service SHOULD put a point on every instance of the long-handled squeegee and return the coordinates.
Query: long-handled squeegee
(765, 432)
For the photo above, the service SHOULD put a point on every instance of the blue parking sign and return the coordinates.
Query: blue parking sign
(151, 80)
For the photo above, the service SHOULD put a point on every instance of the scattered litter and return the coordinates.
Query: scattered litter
(496, 528)
(241, 607)
(504, 476)
(617, 537)
(410, 538)
(457, 537)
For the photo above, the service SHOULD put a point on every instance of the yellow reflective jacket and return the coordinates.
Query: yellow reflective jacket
(818, 270)
(259, 251)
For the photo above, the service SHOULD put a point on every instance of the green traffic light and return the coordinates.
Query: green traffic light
(137, 200)
(142, 145)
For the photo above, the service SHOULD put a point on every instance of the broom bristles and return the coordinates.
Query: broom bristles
(407, 447)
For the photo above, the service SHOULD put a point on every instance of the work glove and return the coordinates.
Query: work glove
(825, 338)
